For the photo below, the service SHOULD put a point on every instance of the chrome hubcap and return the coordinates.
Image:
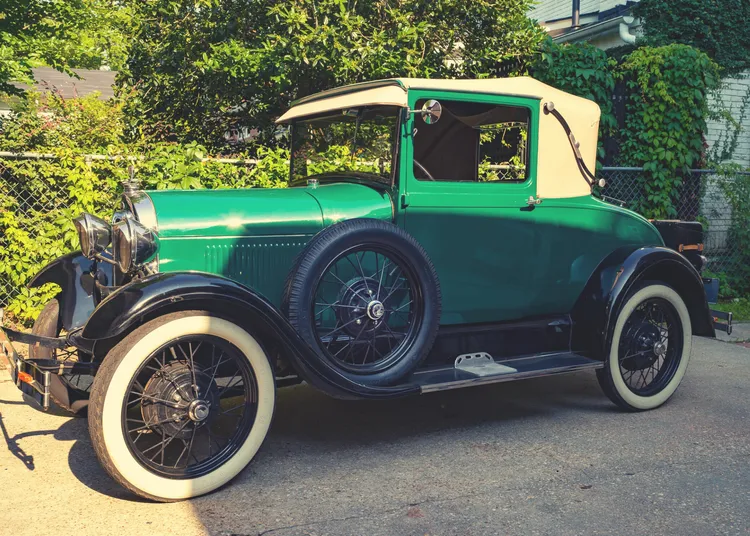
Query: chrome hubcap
(375, 310)
(660, 349)
(198, 410)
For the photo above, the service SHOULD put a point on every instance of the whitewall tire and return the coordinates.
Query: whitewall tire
(133, 408)
(650, 348)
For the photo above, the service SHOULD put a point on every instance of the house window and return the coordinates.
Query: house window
(473, 142)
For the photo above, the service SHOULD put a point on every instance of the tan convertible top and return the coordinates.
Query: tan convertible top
(558, 173)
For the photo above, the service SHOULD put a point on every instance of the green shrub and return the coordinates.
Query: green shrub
(39, 197)
(666, 118)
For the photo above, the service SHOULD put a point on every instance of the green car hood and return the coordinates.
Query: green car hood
(265, 212)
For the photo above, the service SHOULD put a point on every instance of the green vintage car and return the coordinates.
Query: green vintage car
(437, 234)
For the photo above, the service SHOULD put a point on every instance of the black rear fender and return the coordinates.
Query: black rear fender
(76, 275)
(595, 313)
(145, 299)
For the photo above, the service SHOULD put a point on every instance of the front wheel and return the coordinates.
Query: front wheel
(650, 349)
(181, 405)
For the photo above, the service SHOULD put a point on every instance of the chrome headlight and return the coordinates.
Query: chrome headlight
(94, 234)
(133, 244)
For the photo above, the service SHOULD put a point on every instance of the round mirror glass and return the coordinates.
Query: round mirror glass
(431, 111)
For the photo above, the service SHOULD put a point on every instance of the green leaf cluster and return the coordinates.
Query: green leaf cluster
(63, 34)
(735, 186)
(717, 27)
(197, 67)
(39, 197)
(666, 117)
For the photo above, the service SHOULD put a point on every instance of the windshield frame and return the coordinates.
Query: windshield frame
(388, 181)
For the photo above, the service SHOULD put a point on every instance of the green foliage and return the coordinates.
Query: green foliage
(666, 107)
(716, 27)
(40, 197)
(62, 34)
(50, 122)
(739, 307)
(198, 67)
(736, 189)
(583, 70)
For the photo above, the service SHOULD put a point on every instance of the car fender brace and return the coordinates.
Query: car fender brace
(549, 108)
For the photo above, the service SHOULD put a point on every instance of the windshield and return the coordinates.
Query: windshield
(357, 141)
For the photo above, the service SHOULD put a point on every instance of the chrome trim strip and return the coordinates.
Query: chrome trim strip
(509, 376)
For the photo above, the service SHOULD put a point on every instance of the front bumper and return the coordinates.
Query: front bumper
(28, 377)
(34, 376)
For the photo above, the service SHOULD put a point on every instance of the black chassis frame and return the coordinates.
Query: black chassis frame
(97, 317)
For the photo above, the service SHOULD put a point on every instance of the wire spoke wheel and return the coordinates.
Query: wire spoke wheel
(651, 346)
(190, 406)
(365, 296)
(366, 308)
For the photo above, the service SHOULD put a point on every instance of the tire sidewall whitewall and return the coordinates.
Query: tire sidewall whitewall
(114, 439)
(613, 364)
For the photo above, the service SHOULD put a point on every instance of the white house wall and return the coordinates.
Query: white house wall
(547, 10)
(733, 92)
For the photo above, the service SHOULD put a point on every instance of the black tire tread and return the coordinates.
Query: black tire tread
(294, 285)
(603, 376)
(99, 390)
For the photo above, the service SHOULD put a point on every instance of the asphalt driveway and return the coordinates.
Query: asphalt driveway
(545, 456)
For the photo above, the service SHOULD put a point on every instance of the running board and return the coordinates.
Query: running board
(480, 369)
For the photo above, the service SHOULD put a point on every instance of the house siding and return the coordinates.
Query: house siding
(547, 10)
(730, 97)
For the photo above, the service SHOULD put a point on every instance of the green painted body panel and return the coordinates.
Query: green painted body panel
(191, 213)
(497, 258)
(253, 236)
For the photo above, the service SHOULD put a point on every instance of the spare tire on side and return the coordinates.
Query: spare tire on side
(366, 296)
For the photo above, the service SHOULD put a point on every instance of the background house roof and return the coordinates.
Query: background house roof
(48, 79)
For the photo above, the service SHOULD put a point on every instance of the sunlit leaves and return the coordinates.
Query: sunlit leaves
(197, 69)
(62, 34)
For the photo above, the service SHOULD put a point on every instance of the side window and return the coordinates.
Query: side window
(473, 142)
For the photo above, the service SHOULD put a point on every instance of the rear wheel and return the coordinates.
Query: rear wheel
(69, 391)
(181, 405)
(650, 349)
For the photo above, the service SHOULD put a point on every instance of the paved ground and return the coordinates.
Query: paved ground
(546, 456)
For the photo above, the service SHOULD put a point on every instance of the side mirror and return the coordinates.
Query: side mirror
(431, 111)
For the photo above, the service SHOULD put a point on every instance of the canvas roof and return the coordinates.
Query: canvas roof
(558, 174)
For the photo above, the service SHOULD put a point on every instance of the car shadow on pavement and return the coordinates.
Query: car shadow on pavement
(305, 415)
(311, 422)
(12, 441)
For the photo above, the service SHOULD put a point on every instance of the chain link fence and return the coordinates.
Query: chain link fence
(703, 198)
(24, 206)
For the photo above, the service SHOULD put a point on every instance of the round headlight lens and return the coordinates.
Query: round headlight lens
(94, 234)
(133, 243)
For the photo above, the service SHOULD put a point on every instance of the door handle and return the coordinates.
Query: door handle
(533, 201)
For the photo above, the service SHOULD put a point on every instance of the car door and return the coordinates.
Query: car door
(480, 233)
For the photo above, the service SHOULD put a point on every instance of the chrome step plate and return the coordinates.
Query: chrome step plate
(481, 364)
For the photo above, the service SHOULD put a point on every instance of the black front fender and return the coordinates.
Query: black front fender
(76, 275)
(153, 296)
(595, 313)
